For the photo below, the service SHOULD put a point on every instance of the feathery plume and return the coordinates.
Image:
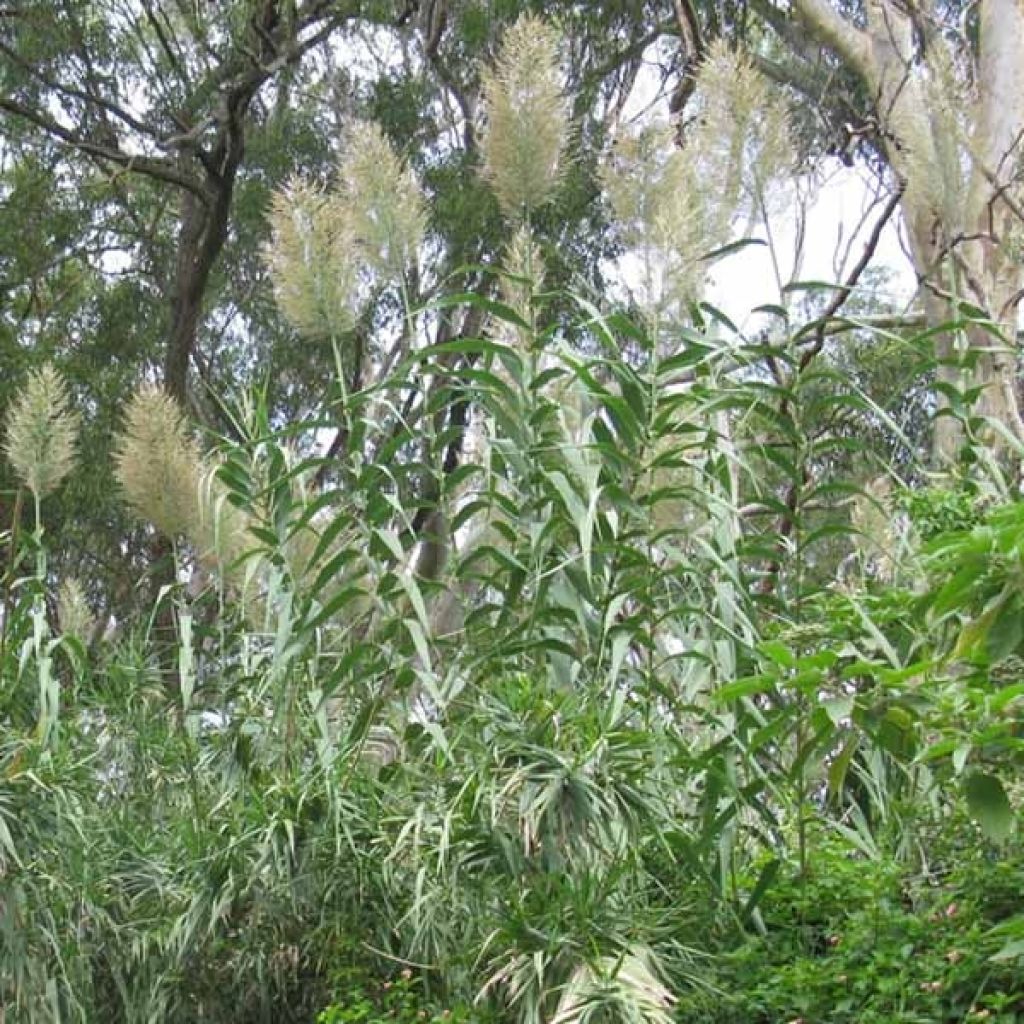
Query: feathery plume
(654, 190)
(740, 135)
(158, 464)
(42, 431)
(74, 616)
(311, 258)
(678, 203)
(527, 118)
(381, 200)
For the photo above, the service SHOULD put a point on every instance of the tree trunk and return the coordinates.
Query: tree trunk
(201, 237)
(962, 220)
(186, 296)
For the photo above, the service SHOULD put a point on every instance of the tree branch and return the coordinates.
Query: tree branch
(152, 167)
(846, 290)
(834, 31)
(693, 40)
(89, 98)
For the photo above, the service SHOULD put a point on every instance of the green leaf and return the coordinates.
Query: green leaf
(778, 652)
(1011, 951)
(497, 309)
(838, 708)
(332, 607)
(988, 806)
(728, 250)
(840, 765)
(1005, 633)
(1007, 695)
(765, 879)
(743, 688)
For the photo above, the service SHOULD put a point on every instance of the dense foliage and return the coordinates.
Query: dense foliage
(629, 774)
(563, 663)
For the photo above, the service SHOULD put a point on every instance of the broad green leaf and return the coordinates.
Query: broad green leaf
(988, 806)
(838, 709)
(1005, 632)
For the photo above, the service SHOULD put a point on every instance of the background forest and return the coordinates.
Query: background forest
(419, 602)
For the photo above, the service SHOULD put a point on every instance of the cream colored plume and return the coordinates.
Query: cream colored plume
(42, 431)
(677, 203)
(312, 261)
(381, 201)
(158, 463)
(739, 135)
(527, 118)
(74, 616)
(524, 270)
(326, 245)
(655, 192)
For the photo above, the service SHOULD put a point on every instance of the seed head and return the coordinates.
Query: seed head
(527, 118)
(678, 203)
(312, 261)
(381, 201)
(654, 190)
(158, 463)
(42, 431)
(524, 265)
(740, 135)
(74, 616)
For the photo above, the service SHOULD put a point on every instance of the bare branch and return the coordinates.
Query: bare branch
(846, 290)
(162, 170)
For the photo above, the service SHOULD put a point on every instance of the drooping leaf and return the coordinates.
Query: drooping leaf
(989, 806)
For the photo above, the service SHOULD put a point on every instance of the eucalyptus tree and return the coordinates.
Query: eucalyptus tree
(165, 92)
(931, 93)
(142, 142)
(136, 117)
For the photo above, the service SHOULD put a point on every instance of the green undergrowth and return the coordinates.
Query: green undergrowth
(401, 998)
(859, 941)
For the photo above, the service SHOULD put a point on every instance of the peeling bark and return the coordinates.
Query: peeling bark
(963, 246)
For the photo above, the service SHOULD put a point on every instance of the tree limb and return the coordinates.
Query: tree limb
(152, 167)
(834, 31)
(838, 300)
(693, 41)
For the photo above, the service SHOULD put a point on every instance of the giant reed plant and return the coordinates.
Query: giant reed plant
(42, 781)
(41, 433)
(508, 667)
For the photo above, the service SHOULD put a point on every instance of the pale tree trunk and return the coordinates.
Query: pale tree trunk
(959, 205)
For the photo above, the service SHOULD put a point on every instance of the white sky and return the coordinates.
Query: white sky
(835, 233)
(839, 218)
